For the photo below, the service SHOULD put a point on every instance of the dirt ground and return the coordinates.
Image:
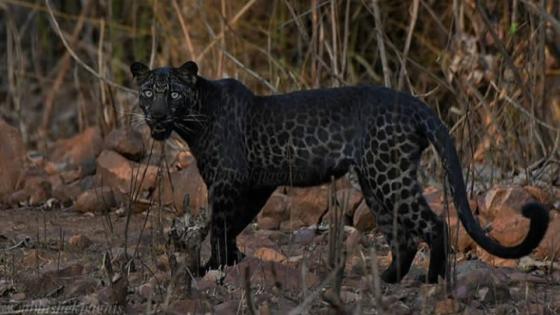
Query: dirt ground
(54, 258)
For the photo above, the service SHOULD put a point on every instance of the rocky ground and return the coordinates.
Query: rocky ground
(64, 214)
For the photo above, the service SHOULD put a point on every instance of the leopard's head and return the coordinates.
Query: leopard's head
(167, 96)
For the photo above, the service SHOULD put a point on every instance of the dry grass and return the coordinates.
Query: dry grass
(489, 69)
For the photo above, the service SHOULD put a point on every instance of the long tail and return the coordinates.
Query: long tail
(440, 138)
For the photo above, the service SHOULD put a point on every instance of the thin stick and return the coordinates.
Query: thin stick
(248, 297)
(541, 11)
(62, 71)
(412, 25)
(251, 72)
(185, 29)
(381, 42)
(77, 59)
(300, 309)
(218, 37)
(153, 36)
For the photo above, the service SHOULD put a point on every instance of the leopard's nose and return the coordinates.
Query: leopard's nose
(158, 115)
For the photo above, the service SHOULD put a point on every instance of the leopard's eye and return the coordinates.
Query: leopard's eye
(148, 93)
(175, 95)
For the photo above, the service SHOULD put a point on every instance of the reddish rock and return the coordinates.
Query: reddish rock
(183, 160)
(363, 219)
(67, 193)
(474, 275)
(39, 189)
(459, 238)
(249, 241)
(268, 274)
(79, 242)
(146, 291)
(12, 158)
(550, 245)
(70, 176)
(19, 197)
(269, 254)
(301, 207)
(501, 200)
(349, 199)
(307, 206)
(115, 171)
(509, 228)
(343, 183)
(96, 200)
(127, 142)
(539, 194)
(186, 181)
(274, 212)
(188, 306)
(502, 205)
(79, 148)
(447, 307)
(292, 224)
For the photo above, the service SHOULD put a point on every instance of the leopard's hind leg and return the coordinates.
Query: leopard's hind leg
(403, 244)
(403, 215)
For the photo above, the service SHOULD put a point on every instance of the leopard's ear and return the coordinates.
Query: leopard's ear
(139, 71)
(188, 71)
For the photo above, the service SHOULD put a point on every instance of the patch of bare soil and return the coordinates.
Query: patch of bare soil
(59, 258)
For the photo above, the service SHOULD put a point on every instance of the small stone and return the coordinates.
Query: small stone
(447, 307)
(183, 159)
(269, 254)
(363, 220)
(79, 242)
(274, 212)
(39, 189)
(97, 200)
(550, 245)
(308, 204)
(304, 235)
(146, 291)
(115, 171)
(79, 148)
(214, 276)
(120, 212)
(20, 296)
(127, 142)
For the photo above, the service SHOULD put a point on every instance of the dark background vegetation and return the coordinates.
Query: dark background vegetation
(489, 68)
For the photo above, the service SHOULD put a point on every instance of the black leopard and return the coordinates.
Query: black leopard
(247, 145)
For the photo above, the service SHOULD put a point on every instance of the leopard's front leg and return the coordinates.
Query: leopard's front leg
(233, 207)
(225, 202)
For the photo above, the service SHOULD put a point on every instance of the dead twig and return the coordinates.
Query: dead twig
(185, 29)
(247, 284)
(412, 25)
(61, 74)
(58, 31)
(381, 42)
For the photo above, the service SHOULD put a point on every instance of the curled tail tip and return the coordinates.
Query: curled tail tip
(539, 223)
(535, 211)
